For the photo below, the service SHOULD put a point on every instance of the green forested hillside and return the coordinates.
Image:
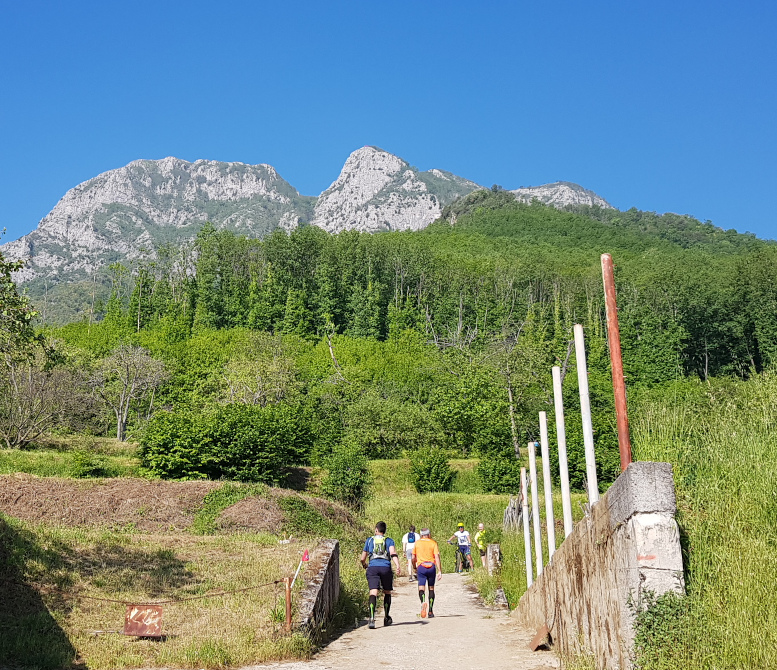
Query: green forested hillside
(388, 343)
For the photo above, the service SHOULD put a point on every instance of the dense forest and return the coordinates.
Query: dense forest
(309, 344)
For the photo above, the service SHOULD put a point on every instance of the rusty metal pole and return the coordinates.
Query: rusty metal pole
(614, 342)
(287, 584)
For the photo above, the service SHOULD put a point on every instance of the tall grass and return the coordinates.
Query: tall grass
(720, 441)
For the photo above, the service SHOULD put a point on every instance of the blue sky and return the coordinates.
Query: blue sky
(664, 106)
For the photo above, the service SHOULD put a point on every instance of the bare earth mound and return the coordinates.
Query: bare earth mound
(150, 505)
(146, 505)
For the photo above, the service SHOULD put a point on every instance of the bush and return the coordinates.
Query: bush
(499, 474)
(239, 442)
(348, 476)
(87, 464)
(430, 470)
(659, 624)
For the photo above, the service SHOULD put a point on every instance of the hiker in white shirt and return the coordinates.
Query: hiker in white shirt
(408, 542)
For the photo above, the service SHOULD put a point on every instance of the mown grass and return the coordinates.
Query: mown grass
(47, 619)
(720, 440)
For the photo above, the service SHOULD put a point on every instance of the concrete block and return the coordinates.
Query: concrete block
(643, 487)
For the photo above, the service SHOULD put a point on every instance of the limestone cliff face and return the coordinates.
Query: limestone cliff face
(127, 213)
(377, 191)
(560, 194)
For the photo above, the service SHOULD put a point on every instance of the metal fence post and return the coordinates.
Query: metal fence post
(287, 584)
(550, 521)
(526, 531)
(535, 505)
(563, 466)
(616, 361)
(585, 411)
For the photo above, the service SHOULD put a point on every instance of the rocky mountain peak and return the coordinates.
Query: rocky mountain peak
(378, 191)
(560, 194)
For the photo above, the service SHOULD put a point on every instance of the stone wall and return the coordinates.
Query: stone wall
(628, 545)
(318, 599)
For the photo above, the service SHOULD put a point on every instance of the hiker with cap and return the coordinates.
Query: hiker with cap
(426, 560)
(378, 553)
(463, 542)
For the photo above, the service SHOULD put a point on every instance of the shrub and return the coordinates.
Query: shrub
(87, 464)
(348, 476)
(430, 470)
(659, 624)
(239, 442)
(499, 474)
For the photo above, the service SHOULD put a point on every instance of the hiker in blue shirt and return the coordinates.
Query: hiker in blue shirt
(377, 555)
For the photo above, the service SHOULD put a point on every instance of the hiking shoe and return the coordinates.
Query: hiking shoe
(371, 624)
(431, 614)
(387, 621)
(424, 609)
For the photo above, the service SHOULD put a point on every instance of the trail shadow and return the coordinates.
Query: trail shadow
(115, 567)
(29, 635)
(296, 479)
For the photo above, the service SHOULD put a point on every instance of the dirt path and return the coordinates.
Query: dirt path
(463, 635)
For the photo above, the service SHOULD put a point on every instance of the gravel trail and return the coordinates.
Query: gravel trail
(464, 634)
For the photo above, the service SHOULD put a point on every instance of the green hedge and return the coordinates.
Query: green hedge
(239, 442)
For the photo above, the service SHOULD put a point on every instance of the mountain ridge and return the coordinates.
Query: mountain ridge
(126, 214)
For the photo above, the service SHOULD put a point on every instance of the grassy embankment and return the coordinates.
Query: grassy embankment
(720, 441)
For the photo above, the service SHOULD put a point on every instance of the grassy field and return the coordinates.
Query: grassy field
(73, 457)
(57, 581)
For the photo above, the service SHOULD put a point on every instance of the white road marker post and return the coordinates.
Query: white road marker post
(535, 505)
(526, 531)
(550, 521)
(563, 465)
(585, 411)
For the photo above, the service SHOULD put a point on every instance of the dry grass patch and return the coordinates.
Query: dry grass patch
(62, 566)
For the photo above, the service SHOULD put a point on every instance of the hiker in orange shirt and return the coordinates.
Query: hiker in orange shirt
(426, 561)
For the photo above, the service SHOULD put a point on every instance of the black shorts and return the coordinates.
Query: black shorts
(380, 577)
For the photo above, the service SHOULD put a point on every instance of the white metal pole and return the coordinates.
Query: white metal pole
(563, 466)
(535, 505)
(526, 533)
(585, 411)
(550, 520)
